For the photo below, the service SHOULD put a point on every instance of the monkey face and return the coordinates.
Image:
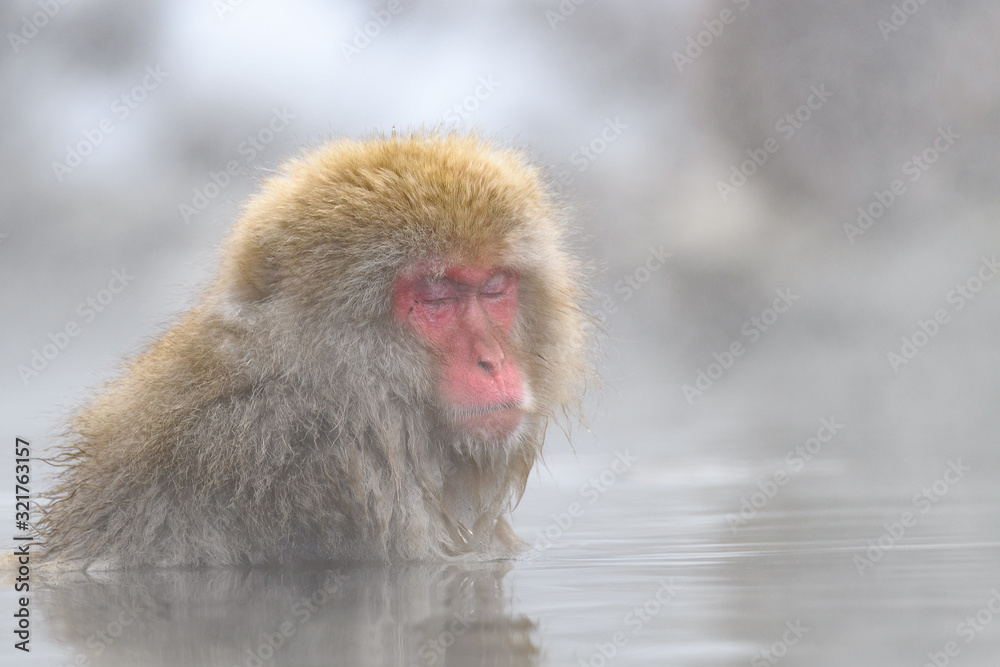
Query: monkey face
(464, 314)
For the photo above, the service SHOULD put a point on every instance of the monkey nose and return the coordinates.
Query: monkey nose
(489, 357)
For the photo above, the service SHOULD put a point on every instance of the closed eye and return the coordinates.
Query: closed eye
(497, 286)
(437, 292)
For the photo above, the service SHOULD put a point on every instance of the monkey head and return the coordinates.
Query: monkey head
(448, 248)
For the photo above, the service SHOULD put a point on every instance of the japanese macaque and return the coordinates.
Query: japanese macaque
(370, 374)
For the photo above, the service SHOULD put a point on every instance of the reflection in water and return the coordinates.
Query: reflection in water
(329, 614)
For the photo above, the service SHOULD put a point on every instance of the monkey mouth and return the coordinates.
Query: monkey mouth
(495, 420)
(464, 412)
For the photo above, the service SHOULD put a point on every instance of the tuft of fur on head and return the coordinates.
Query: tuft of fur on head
(287, 414)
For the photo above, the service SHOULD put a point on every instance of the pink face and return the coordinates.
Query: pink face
(466, 315)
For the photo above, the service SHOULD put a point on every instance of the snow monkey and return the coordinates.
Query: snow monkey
(369, 375)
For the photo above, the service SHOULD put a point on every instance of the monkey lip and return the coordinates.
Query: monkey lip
(494, 419)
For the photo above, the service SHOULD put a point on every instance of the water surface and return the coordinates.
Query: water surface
(620, 576)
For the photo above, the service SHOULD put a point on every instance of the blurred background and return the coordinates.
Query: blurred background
(791, 209)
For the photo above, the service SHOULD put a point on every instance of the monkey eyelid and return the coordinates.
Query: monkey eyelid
(499, 284)
(437, 302)
(438, 289)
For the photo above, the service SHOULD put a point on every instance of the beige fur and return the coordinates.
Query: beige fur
(288, 415)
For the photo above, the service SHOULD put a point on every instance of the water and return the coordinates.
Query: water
(646, 574)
